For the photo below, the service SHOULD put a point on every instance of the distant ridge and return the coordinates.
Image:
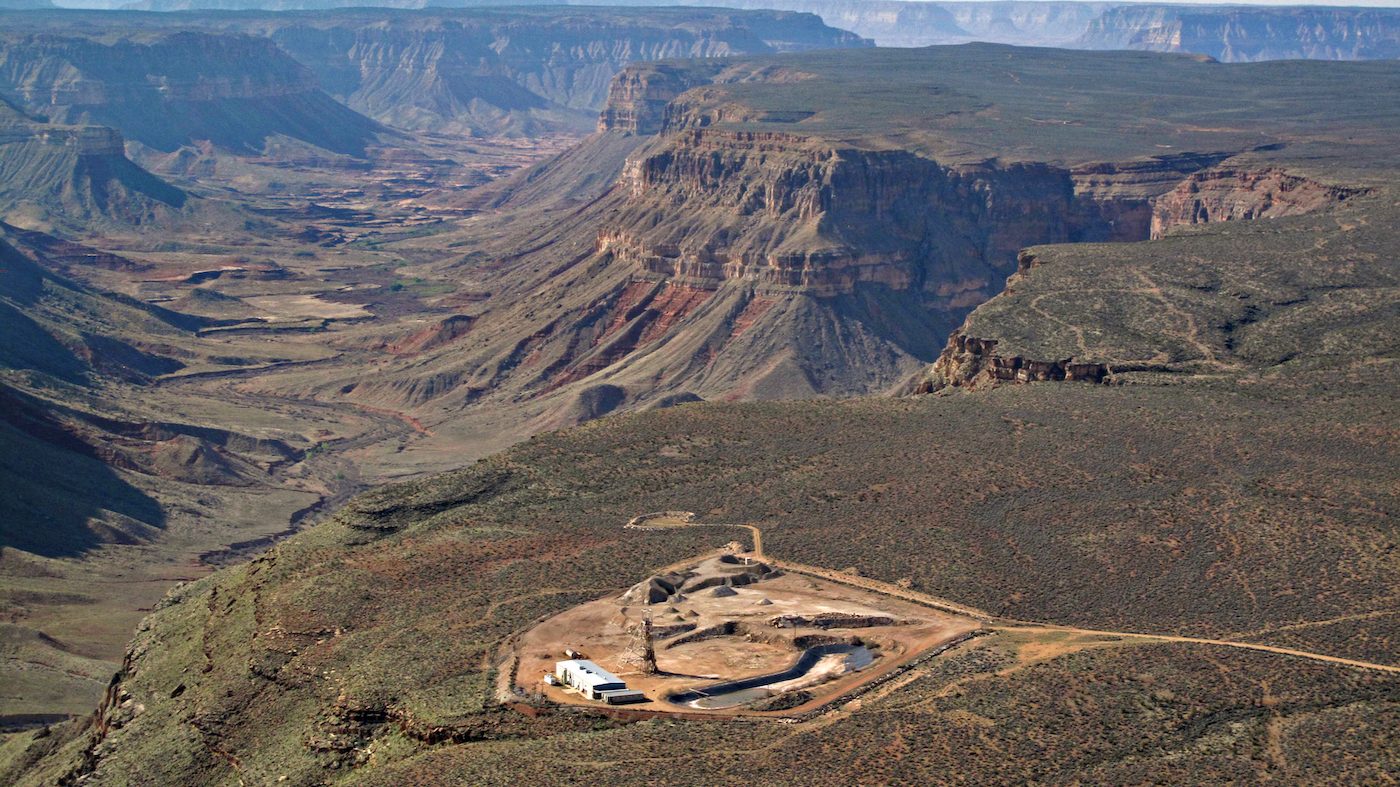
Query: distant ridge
(165, 90)
(1225, 32)
(1229, 33)
(320, 76)
(76, 176)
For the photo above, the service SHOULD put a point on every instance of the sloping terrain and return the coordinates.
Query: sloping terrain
(165, 91)
(766, 242)
(1248, 506)
(523, 71)
(782, 227)
(111, 482)
(76, 177)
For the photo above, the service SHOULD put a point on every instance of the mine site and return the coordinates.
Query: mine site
(1019, 380)
(728, 633)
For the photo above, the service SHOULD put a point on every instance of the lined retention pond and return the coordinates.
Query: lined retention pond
(745, 690)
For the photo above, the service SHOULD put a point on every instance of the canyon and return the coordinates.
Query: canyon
(190, 214)
(402, 242)
(744, 218)
(481, 72)
(1226, 33)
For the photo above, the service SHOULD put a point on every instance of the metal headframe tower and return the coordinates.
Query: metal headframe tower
(641, 652)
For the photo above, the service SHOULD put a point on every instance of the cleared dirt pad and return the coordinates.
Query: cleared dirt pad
(725, 618)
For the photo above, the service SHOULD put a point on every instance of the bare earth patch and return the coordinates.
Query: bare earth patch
(727, 617)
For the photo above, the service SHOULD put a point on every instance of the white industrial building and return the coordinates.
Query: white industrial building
(595, 683)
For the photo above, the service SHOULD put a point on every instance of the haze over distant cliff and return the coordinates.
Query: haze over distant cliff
(1228, 33)
(477, 71)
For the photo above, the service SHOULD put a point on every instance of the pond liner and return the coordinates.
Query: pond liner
(802, 666)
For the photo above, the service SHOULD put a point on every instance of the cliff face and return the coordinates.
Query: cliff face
(1233, 194)
(755, 246)
(786, 213)
(57, 72)
(514, 71)
(1067, 314)
(638, 96)
(725, 196)
(1250, 34)
(500, 70)
(168, 90)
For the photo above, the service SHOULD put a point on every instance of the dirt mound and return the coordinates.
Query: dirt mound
(655, 590)
(727, 570)
(722, 591)
(196, 461)
(831, 620)
(651, 591)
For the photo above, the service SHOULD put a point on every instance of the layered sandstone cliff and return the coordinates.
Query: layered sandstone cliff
(1053, 323)
(82, 140)
(1238, 194)
(1229, 33)
(790, 213)
(782, 234)
(639, 96)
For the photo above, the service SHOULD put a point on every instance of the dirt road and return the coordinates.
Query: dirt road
(1001, 623)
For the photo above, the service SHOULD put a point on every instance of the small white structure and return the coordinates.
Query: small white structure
(595, 683)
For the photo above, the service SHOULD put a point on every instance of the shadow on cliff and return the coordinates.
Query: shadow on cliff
(243, 124)
(899, 318)
(59, 501)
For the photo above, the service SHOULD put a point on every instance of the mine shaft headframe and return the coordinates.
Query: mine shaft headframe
(641, 651)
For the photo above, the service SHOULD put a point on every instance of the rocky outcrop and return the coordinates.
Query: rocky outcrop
(973, 363)
(82, 140)
(440, 333)
(1233, 194)
(638, 96)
